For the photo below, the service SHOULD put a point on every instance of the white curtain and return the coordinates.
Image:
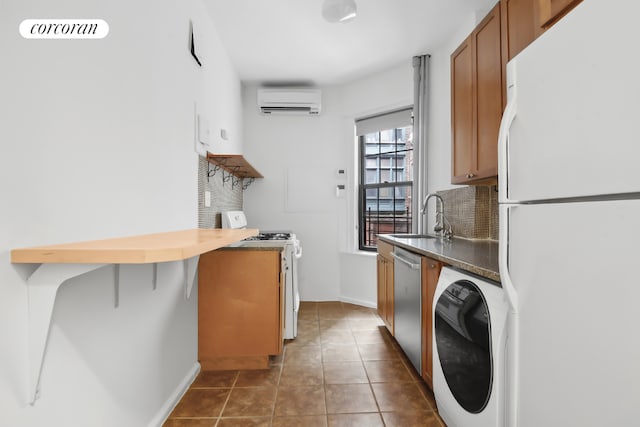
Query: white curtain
(420, 131)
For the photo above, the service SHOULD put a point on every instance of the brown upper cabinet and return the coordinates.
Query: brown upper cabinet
(477, 103)
(550, 11)
(525, 20)
(478, 82)
(519, 24)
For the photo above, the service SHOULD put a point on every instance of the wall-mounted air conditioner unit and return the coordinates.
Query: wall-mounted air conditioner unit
(289, 101)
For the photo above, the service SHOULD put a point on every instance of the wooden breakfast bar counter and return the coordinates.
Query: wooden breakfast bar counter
(59, 263)
(144, 249)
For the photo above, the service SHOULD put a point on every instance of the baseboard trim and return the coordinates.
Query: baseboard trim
(358, 302)
(224, 363)
(175, 397)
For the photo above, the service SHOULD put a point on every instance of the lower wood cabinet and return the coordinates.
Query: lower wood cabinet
(240, 308)
(385, 284)
(430, 274)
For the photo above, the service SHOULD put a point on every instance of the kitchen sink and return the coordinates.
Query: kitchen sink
(413, 236)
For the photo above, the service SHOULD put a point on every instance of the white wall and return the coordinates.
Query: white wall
(308, 150)
(385, 91)
(97, 140)
(298, 153)
(331, 267)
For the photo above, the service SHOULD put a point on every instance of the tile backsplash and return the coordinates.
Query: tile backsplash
(472, 211)
(224, 196)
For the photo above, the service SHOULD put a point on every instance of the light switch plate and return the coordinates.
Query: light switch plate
(207, 199)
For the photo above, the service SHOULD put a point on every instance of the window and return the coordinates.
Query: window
(386, 176)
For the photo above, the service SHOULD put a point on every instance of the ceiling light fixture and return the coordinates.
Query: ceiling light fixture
(339, 10)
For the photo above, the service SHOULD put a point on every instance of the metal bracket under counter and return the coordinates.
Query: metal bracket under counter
(42, 289)
(58, 263)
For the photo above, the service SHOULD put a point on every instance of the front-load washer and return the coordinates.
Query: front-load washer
(469, 340)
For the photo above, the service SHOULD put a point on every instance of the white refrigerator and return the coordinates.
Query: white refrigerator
(569, 196)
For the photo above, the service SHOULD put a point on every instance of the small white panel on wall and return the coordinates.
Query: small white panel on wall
(198, 132)
(309, 189)
(203, 130)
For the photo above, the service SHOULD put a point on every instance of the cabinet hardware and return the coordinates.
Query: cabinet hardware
(409, 264)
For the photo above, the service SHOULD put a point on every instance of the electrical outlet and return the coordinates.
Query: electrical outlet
(207, 199)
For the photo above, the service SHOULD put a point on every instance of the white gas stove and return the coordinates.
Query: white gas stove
(291, 252)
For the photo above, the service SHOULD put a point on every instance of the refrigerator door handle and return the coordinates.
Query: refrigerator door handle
(503, 134)
(512, 347)
(503, 257)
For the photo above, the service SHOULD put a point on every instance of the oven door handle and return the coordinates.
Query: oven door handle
(297, 248)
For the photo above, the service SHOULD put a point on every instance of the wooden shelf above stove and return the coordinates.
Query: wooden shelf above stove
(235, 164)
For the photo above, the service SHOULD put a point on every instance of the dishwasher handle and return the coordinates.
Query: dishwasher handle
(412, 265)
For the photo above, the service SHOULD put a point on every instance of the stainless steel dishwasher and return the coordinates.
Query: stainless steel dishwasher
(408, 304)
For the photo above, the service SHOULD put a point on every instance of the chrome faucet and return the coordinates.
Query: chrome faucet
(442, 227)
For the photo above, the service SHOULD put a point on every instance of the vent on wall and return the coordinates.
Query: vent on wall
(290, 101)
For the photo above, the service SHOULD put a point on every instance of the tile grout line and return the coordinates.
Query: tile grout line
(344, 317)
(275, 399)
(324, 384)
(235, 380)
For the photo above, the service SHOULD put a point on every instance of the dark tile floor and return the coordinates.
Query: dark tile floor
(343, 369)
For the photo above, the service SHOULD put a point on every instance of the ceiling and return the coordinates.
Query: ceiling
(288, 42)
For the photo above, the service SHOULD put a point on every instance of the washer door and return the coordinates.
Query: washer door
(463, 340)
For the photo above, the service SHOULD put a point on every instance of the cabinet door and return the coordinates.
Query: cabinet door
(550, 11)
(477, 100)
(488, 62)
(382, 287)
(519, 25)
(239, 304)
(390, 309)
(385, 284)
(430, 274)
(462, 111)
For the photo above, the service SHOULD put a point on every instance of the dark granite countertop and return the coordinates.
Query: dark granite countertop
(476, 256)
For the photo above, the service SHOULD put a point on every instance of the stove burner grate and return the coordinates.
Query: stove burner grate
(271, 236)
